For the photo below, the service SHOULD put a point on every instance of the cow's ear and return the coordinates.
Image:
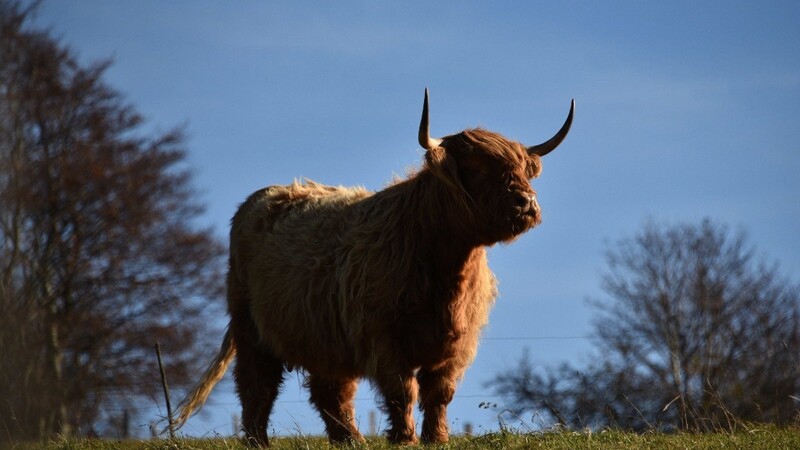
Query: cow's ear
(534, 168)
(443, 165)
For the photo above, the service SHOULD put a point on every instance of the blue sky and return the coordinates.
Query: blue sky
(684, 110)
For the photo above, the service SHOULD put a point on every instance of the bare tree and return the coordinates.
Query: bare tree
(100, 254)
(697, 334)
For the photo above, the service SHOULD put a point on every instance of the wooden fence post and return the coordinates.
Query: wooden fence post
(166, 391)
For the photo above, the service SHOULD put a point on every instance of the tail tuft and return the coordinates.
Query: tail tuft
(195, 399)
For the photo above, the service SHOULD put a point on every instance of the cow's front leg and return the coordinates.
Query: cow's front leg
(399, 392)
(436, 389)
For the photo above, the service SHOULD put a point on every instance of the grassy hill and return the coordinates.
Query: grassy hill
(751, 437)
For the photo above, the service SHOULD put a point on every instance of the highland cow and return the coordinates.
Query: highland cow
(392, 286)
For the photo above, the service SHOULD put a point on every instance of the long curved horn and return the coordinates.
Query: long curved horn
(425, 139)
(547, 147)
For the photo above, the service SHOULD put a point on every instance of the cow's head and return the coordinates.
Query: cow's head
(493, 172)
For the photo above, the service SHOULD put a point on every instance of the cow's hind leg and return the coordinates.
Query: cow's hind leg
(436, 389)
(399, 392)
(333, 398)
(258, 375)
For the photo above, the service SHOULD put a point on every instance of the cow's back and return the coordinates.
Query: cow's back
(284, 245)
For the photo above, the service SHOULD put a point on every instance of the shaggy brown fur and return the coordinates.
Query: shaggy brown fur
(392, 286)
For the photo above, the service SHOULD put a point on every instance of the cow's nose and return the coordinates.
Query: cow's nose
(526, 201)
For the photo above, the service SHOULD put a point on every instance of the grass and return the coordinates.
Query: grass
(751, 437)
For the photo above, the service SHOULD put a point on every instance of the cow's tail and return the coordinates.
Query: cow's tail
(195, 399)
